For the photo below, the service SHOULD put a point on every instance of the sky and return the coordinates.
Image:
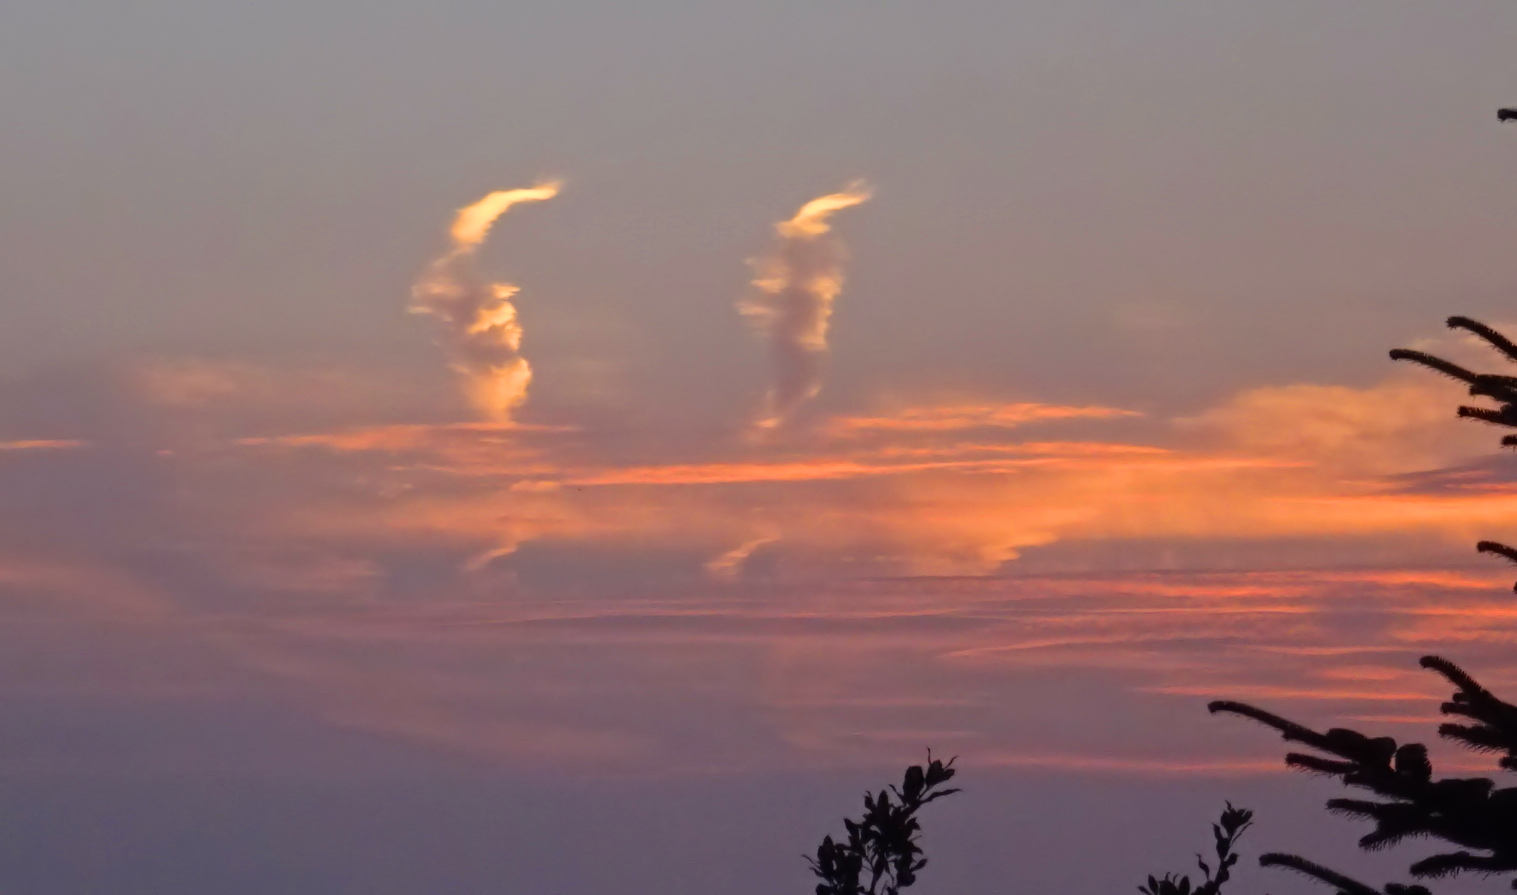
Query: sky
(580, 446)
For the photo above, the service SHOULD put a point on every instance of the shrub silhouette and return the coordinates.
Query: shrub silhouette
(1226, 832)
(881, 855)
(1470, 814)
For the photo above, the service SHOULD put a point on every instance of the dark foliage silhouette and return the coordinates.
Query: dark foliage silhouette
(881, 854)
(1474, 819)
(1225, 832)
(1497, 387)
(1469, 813)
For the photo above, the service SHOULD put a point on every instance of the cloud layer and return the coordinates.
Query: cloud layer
(607, 601)
(961, 571)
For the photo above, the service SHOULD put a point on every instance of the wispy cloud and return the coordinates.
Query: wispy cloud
(42, 444)
(729, 565)
(403, 438)
(906, 553)
(795, 286)
(954, 417)
(1400, 425)
(945, 489)
(479, 320)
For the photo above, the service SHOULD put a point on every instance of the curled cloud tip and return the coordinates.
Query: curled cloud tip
(474, 221)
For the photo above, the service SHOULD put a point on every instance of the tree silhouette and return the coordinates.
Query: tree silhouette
(882, 855)
(1498, 387)
(1226, 832)
(1473, 816)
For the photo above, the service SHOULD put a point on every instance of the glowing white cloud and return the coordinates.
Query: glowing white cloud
(480, 323)
(795, 286)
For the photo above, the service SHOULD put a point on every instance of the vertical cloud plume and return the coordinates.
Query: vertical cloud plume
(795, 286)
(479, 320)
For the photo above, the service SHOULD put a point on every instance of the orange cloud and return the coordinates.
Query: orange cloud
(830, 469)
(936, 508)
(478, 317)
(402, 439)
(795, 286)
(76, 586)
(42, 444)
(1403, 424)
(474, 221)
(198, 382)
(817, 662)
(968, 416)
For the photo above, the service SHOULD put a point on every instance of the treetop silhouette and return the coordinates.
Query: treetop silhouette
(882, 854)
(1498, 387)
(1225, 832)
(1473, 816)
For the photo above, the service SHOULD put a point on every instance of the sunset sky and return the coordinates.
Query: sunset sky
(578, 447)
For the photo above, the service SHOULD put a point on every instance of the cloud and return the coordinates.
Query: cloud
(729, 565)
(245, 396)
(42, 444)
(194, 382)
(954, 417)
(428, 582)
(1124, 766)
(795, 286)
(963, 459)
(363, 626)
(929, 489)
(75, 585)
(479, 320)
(473, 438)
(1401, 425)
